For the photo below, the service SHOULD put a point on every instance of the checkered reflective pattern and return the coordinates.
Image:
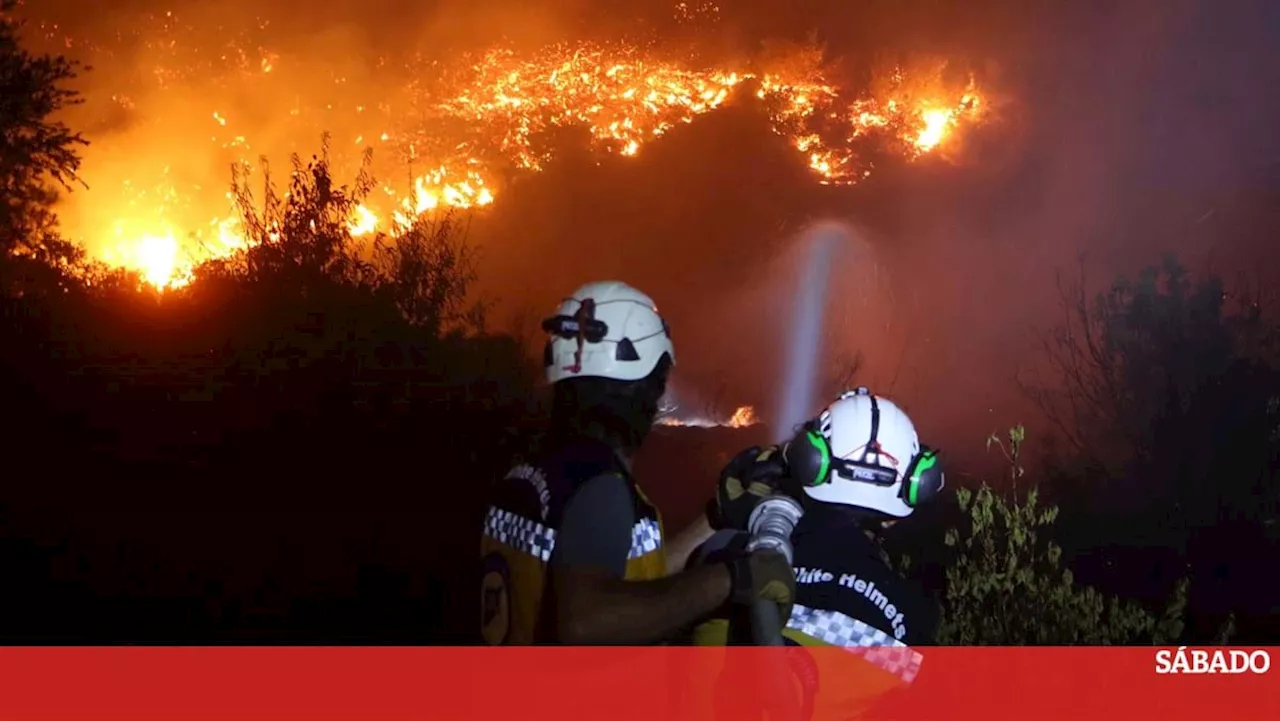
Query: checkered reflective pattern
(535, 539)
(646, 537)
(520, 533)
(837, 629)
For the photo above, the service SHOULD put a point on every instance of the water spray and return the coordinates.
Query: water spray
(799, 378)
(774, 520)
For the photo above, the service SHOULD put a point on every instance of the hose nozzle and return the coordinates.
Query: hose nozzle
(772, 523)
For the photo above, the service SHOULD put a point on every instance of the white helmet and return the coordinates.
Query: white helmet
(606, 329)
(863, 451)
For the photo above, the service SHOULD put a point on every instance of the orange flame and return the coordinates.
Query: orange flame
(743, 417)
(476, 123)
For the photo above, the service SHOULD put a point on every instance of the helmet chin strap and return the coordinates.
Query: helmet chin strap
(624, 457)
(872, 523)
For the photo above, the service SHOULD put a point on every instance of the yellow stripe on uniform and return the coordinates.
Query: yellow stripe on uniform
(518, 550)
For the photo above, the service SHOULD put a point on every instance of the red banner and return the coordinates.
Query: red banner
(654, 684)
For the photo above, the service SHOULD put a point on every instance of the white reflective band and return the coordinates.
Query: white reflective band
(528, 536)
(523, 534)
(837, 629)
(646, 537)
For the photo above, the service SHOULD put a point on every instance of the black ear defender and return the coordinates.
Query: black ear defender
(808, 456)
(924, 479)
(811, 463)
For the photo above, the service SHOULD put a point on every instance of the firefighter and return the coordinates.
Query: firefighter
(856, 469)
(572, 550)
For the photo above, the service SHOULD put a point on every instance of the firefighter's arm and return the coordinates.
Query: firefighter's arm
(686, 542)
(591, 601)
(748, 478)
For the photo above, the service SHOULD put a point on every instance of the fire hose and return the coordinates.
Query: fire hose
(770, 527)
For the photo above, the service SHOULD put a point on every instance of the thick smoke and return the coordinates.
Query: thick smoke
(1134, 122)
(1127, 129)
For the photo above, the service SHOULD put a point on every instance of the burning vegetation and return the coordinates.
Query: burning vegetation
(742, 417)
(192, 103)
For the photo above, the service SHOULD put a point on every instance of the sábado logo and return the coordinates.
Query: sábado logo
(1198, 660)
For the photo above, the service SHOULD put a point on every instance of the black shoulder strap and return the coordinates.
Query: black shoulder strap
(573, 463)
(582, 460)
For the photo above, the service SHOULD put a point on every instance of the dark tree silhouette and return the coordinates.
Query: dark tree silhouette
(38, 154)
(266, 453)
(1165, 391)
(428, 271)
(1115, 364)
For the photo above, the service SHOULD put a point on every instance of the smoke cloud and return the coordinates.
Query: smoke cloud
(1124, 130)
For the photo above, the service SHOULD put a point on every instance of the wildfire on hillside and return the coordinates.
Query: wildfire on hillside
(462, 128)
(743, 417)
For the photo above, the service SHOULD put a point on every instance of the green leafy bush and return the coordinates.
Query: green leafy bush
(1007, 586)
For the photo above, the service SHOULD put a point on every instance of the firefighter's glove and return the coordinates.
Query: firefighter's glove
(763, 575)
(752, 476)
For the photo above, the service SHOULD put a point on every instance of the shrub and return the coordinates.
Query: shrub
(1007, 586)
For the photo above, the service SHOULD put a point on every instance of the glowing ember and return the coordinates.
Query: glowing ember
(469, 124)
(743, 417)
